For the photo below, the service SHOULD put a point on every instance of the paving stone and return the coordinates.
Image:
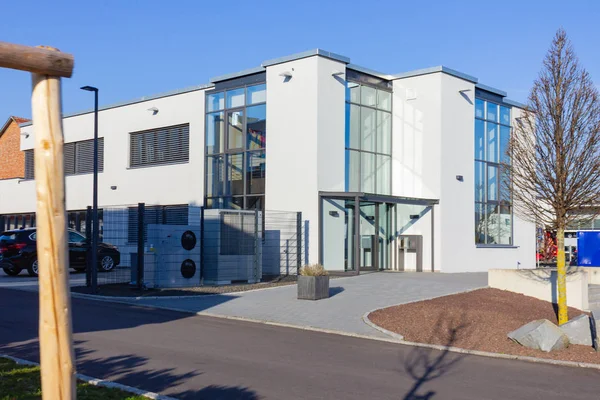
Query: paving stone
(540, 334)
(578, 330)
(350, 299)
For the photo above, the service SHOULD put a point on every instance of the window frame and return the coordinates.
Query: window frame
(485, 203)
(226, 197)
(349, 103)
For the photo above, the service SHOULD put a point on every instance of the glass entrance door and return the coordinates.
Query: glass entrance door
(368, 236)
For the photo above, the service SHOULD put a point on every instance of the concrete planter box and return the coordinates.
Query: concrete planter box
(313, 287)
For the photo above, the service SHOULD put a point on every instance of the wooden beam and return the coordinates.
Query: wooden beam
(39, 60)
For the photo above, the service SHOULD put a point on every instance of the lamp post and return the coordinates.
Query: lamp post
(93, 264)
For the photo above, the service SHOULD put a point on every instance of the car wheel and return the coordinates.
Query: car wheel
(11, 271)
(33, 268)
(107, 263)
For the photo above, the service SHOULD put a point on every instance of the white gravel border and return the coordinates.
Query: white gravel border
(99, 382)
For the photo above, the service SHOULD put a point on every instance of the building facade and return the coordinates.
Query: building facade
(390, 172)
(11, 157)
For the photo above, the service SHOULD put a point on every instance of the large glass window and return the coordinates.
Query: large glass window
(368, 139)
(493, 203)
(235, 147)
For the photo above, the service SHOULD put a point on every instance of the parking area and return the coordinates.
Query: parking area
(350, 299)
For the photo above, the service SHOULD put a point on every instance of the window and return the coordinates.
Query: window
(235, 147)
(78, 158)
(75, 237)
(166, 145)
(162, 215)
(368, 138)
(493, 203)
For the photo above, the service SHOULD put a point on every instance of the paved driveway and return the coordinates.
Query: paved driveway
(351, 298)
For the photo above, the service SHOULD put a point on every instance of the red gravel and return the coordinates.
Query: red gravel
(477, 320)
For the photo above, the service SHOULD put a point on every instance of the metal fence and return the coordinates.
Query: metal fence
(183, 246)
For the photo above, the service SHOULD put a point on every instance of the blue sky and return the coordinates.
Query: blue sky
(133, 48)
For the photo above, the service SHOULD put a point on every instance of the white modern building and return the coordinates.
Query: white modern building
(393, 172)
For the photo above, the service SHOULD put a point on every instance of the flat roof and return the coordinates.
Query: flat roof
(297, 56)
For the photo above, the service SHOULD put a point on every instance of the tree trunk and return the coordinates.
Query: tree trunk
(561, 275)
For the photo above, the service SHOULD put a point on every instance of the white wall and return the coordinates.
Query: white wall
(433, 143)
(305, 125)
(417, 150)
(457, 200)
(161, 185)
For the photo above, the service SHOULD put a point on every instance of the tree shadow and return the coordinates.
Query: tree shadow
(133, 370)
(424, 365)
(217, 392)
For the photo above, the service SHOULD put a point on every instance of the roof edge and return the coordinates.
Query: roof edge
(226, 77)
(515, 103)
(369, 71)
(491, 89)
(433, 70)
(305, 54)
(130, 102)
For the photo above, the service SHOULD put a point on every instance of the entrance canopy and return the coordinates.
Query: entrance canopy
(380, 198)
(364, 231)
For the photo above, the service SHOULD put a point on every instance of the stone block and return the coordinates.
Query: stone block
(540, 335)
(594, 321)
(578, 330)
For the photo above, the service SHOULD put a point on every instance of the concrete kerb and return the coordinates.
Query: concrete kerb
(96, 296)
(99, 382)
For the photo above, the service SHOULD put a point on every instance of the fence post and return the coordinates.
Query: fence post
(298, 242)
(256, 243)
(140, 245)
(202, 245)
(88, 239)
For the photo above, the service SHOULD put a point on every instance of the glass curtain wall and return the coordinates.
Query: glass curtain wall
(235, 147)
(368, 138)
(493, 202)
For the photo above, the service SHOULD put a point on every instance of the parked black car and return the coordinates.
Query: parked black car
(18, 252)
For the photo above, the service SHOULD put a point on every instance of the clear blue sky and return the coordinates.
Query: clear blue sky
(133, 48)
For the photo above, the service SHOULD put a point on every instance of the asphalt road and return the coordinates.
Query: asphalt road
(193, 357)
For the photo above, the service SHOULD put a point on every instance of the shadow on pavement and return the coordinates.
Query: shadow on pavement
(335, 290)
(132, 370)
(424, 365)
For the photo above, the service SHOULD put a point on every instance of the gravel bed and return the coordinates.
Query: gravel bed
(124, 290)
(478, 320)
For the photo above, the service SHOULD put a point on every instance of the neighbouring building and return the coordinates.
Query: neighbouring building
(12, 159)
(390, 172)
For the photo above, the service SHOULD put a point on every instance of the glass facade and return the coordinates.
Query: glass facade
(493, 202)
(368, 139)
(235, 147)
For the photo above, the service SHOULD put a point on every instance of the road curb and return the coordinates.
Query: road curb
(199, 296)
(99, 382)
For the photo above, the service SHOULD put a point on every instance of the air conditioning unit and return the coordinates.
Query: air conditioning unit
(173, 257)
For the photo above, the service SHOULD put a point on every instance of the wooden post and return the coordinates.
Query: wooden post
(56, 336)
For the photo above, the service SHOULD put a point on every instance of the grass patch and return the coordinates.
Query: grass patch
(22, 382)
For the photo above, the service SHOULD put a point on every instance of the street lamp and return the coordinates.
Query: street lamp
(95, 228)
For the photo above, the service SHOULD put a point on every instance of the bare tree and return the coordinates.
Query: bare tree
(555, 151)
